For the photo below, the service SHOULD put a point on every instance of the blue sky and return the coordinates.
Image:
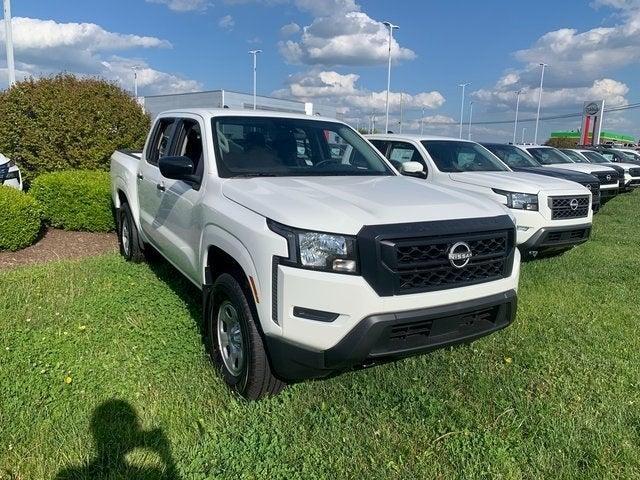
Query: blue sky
(334, 52)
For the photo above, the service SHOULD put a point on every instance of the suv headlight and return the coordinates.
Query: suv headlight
(520, 201)
(328, 252)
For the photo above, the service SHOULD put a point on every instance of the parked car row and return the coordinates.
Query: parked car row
(317, 250)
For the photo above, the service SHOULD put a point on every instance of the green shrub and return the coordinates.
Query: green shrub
(76, 200)
(20, 220)
(66, 122)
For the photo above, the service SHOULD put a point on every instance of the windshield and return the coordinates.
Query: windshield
(575, 156)
(513, 156)
(279, 147)
(548, 156)
(455, 156)
(630, 155)
(595, 157)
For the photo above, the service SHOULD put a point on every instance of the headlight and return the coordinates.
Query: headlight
(318, 250)
(520, 201)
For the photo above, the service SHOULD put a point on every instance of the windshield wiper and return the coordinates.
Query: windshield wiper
(255, 174)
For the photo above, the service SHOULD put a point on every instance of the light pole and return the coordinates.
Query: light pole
(255, 75)
(515, 124)
(535, 135)
(135, 81)
(11, 67)
(470, 119)
(401, 112)
(391, 27)
(463, 85)
(524, 130)
(422, 122)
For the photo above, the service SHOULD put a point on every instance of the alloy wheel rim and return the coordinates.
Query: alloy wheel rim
(125, 238)
(230, 342)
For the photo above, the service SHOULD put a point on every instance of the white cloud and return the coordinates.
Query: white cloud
(183, 5)
(342, 89)
(289, 29)
(227, 22)
(44, 47)
(341, 34)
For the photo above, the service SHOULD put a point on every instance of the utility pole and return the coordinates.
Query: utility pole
(401, 111)
(470, 119)
(135, 81)
(255, 75)
(524, 129)
(463, 85)
(515, 124)
(391, 27)
(535, 135)
(422, 122)
(11, 67)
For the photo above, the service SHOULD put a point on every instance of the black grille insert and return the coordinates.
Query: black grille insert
(634, 172)
(569, 207)
(607, 178)
(413, 258)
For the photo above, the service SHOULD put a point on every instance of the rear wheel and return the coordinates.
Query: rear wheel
(236, 345)
(128, 236)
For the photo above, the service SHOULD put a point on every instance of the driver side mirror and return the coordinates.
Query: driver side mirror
(413, 169)
(178, 168)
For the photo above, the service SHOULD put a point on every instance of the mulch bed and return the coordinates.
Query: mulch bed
(60, 245)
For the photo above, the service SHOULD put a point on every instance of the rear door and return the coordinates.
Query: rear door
(150, 192)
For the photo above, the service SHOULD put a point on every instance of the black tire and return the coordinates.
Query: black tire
(253, 379)
(128, 238)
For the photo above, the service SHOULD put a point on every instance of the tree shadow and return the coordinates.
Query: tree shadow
(117, 431)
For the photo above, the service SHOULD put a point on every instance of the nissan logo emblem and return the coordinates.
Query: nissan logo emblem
(592, 108)
(589, 186)
(608, 177)
(460, 254)
(574, 204)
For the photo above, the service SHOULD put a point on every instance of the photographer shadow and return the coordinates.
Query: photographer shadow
(117, 432)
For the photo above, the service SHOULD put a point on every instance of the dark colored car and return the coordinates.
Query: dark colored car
(576, 157)
(520, 161)
(615, 155)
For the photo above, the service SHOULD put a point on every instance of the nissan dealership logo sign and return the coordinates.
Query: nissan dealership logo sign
(460, 254)
(592, 108)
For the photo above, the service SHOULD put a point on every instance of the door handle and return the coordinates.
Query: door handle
(160, 186)
(140, 176)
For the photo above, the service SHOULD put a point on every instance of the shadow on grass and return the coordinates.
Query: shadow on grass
(117, 432)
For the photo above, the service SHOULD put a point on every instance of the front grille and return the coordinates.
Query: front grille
(569, 207)
(634, 172)
(413, 258)
(607, 178)
(634, 183)
(4, 171)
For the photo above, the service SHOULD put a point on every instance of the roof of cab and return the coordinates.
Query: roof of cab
(229, 112)
(413, 136)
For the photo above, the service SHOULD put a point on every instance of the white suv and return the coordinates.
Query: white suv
(552, 214)
(10, 173)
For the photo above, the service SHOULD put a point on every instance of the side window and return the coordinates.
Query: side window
(401, 152)
(608, 156)
(381, 145)
(189, 144)
(159, 145)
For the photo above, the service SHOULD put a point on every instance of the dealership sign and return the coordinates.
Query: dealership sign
(592, 114)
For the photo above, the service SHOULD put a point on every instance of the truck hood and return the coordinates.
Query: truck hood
(512, 181)
(559, 173)
(346, 204)
(625, 166)
(582, 167)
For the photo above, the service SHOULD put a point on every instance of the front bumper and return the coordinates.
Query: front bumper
(557, 238)
(389, 336)
(11, 177)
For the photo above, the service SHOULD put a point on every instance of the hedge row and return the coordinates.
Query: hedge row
(20, 220)
(76, 200)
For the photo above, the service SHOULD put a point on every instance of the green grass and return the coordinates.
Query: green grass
(553, 396)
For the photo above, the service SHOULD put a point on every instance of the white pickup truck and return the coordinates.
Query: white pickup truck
(10, 173)
(552, 214)
(313, 254)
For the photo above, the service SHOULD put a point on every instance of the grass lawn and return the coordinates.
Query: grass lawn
(103, 375)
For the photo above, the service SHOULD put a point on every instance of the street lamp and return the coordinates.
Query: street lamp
(535, 135)
(524, 130)
(135, 80)
(470, 119)
(255, 74)
(401, 110)
(11, 67)
(515, 124)
(463, 85)
(391, 27)
(422, 122)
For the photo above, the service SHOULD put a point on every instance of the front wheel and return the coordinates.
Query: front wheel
(236, 344)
